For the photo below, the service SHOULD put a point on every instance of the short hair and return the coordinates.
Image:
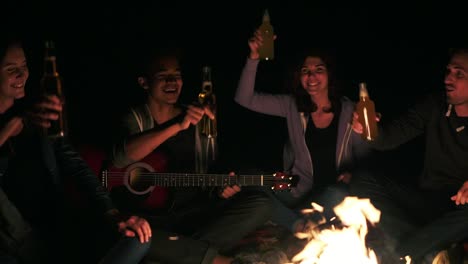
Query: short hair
(146, 61)
(457, 51)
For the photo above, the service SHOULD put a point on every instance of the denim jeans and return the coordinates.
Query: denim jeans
(413, 222)
(127, 250)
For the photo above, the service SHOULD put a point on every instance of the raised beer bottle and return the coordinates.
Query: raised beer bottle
(51, 84)
(207, 126)
(366, 111)
(267, 50)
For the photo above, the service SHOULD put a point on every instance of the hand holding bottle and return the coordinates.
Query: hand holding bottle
(45, 111)
(194, 115)
(255, 43)
(357, 126)
(366, 115)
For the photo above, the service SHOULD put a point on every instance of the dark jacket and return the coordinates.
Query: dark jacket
(446, 141)
(63, 165)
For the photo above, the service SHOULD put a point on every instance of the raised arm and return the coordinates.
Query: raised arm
(245, 93)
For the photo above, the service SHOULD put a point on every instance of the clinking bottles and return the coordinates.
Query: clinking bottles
(267, 50)
(51, 84)
(207, 126)
(366, 111)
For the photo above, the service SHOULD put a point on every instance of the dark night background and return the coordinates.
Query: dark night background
(398, 48)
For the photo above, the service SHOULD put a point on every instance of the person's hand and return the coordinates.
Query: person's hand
(136, 226)
(12, 128)
(255, 42)
(357, 126)
(462, 195)
(229, 190)
(194, 115)
(45, 111)
(344, 177)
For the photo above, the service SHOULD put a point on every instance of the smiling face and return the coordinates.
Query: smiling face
(314, 76)
(13, 74)
(456, 80)
(164, 83)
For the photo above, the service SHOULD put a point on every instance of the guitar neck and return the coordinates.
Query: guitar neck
(195, 180)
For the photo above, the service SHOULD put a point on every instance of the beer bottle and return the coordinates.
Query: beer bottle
(206, 149)
(366, 111)
(267, 50)
(207, 126)
(51, 84)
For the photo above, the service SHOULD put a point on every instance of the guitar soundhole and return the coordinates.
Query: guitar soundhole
(138, 181)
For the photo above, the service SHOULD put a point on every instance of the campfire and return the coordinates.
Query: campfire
(340, 240)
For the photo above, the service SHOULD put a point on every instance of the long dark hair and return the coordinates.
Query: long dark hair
(303, 100)
(8, 41)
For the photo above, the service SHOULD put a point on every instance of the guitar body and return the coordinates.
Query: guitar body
(133, 178)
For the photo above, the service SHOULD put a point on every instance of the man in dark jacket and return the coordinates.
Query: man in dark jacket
(425, 220)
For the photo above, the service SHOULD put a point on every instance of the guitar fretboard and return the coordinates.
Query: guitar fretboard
(190, 180)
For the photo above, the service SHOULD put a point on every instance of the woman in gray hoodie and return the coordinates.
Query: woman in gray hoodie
(321, 148)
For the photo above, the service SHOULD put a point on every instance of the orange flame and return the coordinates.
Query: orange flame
(341, 245)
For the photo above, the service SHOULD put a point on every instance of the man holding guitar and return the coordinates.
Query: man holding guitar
(202, 222)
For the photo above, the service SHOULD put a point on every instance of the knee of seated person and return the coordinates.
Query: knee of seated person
(363, 175)
(131, 246)
(362, 181)
(137, 245)
(260, 202)
(260, 195)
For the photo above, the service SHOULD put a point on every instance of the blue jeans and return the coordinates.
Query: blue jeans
(128, 250)
(413, 222)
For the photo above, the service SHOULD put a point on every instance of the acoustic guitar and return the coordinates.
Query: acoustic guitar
(146, 177)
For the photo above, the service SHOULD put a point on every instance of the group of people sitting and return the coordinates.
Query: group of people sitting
(324, 149)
